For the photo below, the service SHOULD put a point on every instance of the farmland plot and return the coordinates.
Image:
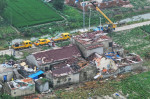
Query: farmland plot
(29, 12)
(135, 40)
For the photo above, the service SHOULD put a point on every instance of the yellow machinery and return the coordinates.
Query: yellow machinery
(24, 44)
(111, 25)
(41, 42)
(62, 37)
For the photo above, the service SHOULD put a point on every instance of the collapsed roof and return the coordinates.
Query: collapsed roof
(92, 40)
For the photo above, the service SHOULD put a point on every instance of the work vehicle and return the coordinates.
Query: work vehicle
(41, 42)
(24, 44)
(111, 26)
(62, 37)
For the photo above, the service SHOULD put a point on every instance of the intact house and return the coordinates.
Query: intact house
(92, 42)
(64, 65)
(20, 87)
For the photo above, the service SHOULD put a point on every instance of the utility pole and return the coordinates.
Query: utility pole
(100, 21)
(90, 18)
(83, 4)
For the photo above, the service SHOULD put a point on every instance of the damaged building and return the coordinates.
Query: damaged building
(96, 42)
(71, 71)
(100, 3)
(45, 60)
(63, 66)
(8, 72)
(92, 42)
(20, 87)
(113, 64)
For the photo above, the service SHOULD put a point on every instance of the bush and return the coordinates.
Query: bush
(9, 57)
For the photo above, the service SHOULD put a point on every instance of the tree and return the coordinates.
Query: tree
(3, 5)
(58, 4)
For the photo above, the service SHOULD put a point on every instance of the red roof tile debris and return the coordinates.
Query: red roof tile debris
(27, 80)
(57, 54)
(91, 38)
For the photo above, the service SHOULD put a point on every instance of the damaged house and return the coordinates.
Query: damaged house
(96, 42)
(8, 72)
(100, 3)
(63, 66)
(45, 60)
(71, 71)
(93, 42)
(20, 87)
(113, 64)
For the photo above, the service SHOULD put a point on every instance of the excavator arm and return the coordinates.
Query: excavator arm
(113, 25)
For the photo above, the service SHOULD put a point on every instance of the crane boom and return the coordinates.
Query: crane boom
(113, 25)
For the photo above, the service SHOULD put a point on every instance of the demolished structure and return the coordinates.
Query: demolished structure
(92, 42)
(114, 64)
(100, 3)
(20, 87)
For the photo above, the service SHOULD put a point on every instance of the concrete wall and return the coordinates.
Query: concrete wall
(88, 73)
(85, 52)
(98, 50)
(59, 81)
(9, 74)
(107, 48)
(21, 92)
(43, 87)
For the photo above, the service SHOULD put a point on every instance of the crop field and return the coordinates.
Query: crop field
(135, 40)
(29, 12)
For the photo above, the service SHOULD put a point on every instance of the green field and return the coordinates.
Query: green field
(29, 12)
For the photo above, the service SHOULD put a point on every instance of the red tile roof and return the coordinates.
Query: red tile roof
(57, 54)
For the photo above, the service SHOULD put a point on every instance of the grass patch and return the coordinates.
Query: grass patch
(63, 43)
(135, 40)
(136, 86)
(29, 12)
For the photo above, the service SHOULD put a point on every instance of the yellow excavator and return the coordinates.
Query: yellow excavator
(111, 26)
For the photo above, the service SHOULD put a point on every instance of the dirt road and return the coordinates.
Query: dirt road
(127, 27)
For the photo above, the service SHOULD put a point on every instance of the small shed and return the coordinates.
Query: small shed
(42, 85)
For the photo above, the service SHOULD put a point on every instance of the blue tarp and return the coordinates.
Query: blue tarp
(111, 57)
(35, 75)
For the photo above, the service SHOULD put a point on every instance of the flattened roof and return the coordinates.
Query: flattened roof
(57, 54)
(92, 40)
